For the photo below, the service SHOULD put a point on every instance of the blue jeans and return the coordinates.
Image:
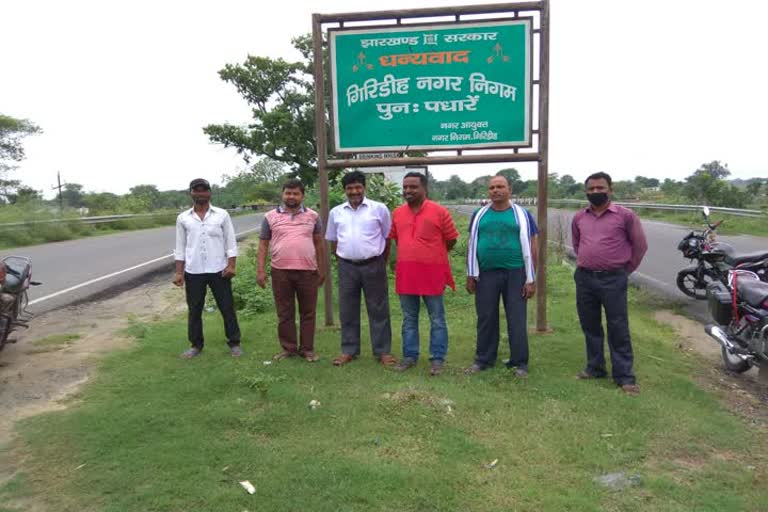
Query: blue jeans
(438, 332)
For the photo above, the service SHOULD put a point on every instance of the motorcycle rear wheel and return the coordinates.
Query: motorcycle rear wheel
(5, 330)
(734, 363)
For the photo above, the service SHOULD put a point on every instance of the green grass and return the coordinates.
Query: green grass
(39, 233)
(154, 433)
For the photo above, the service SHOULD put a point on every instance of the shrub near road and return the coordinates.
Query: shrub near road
(152, 432)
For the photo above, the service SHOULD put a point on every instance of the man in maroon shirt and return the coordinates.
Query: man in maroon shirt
(610, 244)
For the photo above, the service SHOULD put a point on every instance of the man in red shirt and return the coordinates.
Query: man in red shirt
(610, 244)
(424, 233)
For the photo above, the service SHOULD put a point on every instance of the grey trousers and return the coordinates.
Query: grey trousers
(370, 278)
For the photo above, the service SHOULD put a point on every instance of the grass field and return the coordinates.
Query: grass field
(154, 433)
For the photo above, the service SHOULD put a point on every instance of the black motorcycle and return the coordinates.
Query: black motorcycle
(15, 280)
(714, 260)
(740, 312)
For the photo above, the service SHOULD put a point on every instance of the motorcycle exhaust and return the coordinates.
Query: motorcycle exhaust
(716, 332)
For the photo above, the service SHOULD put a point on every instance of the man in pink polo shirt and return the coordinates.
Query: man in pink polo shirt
(610, 244)
(424, 232)
(292, 234)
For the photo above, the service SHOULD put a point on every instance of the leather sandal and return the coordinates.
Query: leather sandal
(342, 360)
(309, 356)
(387, 360)
(284, 355)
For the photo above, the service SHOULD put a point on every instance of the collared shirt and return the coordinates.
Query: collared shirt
(422, 258)
(205, 245)
(609, 241)
(291, 236)
(360, 233)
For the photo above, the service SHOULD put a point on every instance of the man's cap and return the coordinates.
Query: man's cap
(199, 182)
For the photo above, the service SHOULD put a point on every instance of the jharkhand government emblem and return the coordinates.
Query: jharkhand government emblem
(361, 63)
(498, 53)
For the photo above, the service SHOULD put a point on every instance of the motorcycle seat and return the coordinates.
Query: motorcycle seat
(753, 293)
(17, 273)
(750, 257)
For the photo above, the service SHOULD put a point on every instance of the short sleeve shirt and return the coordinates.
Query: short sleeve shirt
(422, 266)
(291, 235)
(498, 241)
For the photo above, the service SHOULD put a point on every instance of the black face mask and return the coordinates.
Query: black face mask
(598, 198)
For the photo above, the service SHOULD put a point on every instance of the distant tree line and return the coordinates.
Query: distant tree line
(707, 185)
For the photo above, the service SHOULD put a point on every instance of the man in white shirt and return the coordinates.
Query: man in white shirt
(357, 230)
(206, 253)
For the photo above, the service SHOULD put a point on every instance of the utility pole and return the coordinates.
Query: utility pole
(61, 197)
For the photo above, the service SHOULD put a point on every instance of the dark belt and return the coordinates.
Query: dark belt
(359, 262)
(592, 272)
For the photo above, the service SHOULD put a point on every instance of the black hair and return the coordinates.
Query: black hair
(414, 174)
(600, 176)
(294, 183)
(353, 177)
(501, 176)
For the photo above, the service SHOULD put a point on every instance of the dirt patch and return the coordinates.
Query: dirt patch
(744, 394)
(35, 380)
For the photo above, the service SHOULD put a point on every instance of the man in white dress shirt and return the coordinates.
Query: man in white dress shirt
(206, 252)
(357, 230)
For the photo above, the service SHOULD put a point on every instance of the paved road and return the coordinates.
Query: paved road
(104, 262)
(663, 261)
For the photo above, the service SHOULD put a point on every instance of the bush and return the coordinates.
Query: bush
(249, 298)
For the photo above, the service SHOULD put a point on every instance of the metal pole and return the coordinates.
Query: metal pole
(322, 169)
(541, 279)
(61, 197)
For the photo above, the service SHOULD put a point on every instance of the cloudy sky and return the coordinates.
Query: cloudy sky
(122, 89)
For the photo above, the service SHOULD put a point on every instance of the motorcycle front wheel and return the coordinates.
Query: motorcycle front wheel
(689, 283)
(733, 362)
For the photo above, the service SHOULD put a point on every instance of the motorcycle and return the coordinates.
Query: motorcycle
(740, 311)
(15, 280)
(714, 260)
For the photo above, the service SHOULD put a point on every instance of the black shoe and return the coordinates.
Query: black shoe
(405, 364)
(436, 367)
(475, 368)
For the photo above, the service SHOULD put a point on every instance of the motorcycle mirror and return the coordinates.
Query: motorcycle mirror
(705, 211)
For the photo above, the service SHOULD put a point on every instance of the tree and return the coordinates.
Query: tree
(672, 188)
(259, 183)
(281, 97)
(73, 195)
(101, 203)
(12, 131)
(707, 183)
(24, 194)
(754, 187)
(148, 195)
(569, 186)
(456, 188)
(643, 182)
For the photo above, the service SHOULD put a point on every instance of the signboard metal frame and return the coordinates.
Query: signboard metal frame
(537, 151)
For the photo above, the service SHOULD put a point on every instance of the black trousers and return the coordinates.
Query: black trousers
(608, 291)
(508, 286)
(196, 286)
(371, 279)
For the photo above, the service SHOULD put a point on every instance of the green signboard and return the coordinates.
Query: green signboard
(460, 85)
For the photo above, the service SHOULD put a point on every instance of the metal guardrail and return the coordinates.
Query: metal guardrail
(532, 201)
(101, 219)
(739, 212)
(85, 220)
